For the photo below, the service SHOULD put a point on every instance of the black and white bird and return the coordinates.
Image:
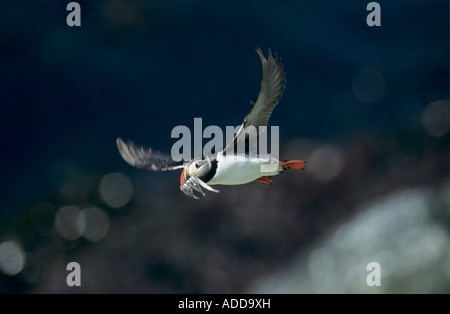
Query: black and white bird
(229, 166)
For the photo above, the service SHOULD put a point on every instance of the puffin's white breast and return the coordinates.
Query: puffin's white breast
(240, 169)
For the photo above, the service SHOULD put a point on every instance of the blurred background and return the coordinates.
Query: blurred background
(367, 107)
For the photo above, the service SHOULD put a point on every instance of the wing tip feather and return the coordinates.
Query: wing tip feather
(125, 150)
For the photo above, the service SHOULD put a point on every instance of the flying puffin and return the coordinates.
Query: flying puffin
(227, 167)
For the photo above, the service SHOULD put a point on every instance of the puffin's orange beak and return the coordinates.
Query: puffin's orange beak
(184, 176)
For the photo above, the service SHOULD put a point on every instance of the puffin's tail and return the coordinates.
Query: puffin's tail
(293, 164)
(285, 165)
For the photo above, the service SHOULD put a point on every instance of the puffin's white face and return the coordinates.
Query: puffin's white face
(199, 168)
(192, 175)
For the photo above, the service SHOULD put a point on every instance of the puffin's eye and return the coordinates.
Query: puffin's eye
(197, 166)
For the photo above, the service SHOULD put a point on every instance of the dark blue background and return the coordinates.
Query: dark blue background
(136, 69)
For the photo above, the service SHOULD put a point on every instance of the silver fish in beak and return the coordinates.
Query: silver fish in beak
(189, 183)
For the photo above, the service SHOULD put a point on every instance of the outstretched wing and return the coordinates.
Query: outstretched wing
(145, 158)
(273, 83)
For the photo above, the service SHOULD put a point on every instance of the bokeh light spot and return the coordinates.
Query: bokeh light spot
(436, 118)
(69, 222)
(95, 224)
(115, 189)
(325, 163)
(12, 258)
(368, 85)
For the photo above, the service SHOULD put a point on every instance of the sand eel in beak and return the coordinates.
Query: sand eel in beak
(227, 167)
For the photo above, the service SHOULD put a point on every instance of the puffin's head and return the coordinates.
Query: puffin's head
(199, 168)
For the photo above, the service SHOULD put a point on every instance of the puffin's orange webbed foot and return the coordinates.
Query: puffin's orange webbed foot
(265, 180)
